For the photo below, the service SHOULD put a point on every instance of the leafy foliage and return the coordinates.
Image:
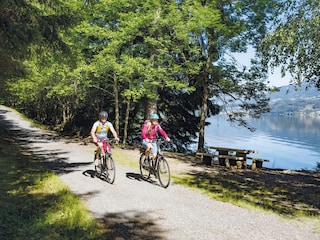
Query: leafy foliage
(121, 56)
(293, 41)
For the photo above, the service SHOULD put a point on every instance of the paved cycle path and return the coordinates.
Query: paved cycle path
(136, 209)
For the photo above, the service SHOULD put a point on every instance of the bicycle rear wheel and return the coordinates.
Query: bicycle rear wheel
(163, 171)
(144, 169)
(110, 169)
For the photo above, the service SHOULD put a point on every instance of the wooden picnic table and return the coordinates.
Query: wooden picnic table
(232, 158)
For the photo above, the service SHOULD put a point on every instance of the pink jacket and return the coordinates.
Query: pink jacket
(152, 133)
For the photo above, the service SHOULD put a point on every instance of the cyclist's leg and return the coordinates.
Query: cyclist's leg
(148, 150)
(97, 154)
(102, 144)
(100, 150)
(154, 151)
(108, 148)
(148, 147)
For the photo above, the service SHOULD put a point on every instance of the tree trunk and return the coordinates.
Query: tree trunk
(203, 115)
(126, 122)
(204, 105)
(116, 103)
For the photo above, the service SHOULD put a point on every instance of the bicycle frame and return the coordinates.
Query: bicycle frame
(161, 172)
(158, 142)
(159, 152)
(108, 146)
(106, 170)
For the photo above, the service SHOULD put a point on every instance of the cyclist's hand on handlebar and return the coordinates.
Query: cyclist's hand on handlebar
(168, 139)
(117, 139)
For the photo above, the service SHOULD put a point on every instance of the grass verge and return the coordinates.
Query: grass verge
(290, 196)
(36, 204)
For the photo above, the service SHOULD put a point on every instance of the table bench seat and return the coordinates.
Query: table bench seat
(206, 158)
(257, 162)
(211, 155)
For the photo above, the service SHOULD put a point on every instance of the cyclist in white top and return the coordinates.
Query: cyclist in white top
(99, 134)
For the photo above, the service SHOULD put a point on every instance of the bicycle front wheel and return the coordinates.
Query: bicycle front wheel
(144, 169)
(163, 171)
(110, 169)
(99, 166)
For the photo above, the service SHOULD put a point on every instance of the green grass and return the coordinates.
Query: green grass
(268, 198)
(36, 204)
(289, 196)
(299, 203)
(125, 158)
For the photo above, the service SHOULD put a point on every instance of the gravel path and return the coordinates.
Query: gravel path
(136, 209)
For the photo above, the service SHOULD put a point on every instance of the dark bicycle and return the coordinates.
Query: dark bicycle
(159, 167)
(106, 169)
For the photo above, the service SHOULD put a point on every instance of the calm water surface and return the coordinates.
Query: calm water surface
(289, 142)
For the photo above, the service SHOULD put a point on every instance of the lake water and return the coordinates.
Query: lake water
(289, 142)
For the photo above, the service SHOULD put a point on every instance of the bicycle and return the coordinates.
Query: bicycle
(103, 170)
(159, 168)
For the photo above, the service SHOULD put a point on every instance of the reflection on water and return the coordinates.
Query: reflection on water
(289, 142)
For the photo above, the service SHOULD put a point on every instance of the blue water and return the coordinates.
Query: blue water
(289, 142)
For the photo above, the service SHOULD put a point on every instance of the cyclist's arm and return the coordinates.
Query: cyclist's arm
(114, 133)
(163, 133)
(93, 133)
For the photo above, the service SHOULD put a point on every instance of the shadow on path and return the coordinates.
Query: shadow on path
(18, 134)
(137, 177)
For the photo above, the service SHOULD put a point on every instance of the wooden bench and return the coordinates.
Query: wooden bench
(206, 158)
(231, 161)
(257, 163)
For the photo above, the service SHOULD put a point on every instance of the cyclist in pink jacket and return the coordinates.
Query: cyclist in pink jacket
(149, 132)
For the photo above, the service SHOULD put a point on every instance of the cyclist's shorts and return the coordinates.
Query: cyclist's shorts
(154, 148)
(106, 146)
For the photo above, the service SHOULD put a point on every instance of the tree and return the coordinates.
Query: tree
(210, 29)
(125, 55)
(293, 41)
(133, 47)
(23, 23)
(32, 38)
